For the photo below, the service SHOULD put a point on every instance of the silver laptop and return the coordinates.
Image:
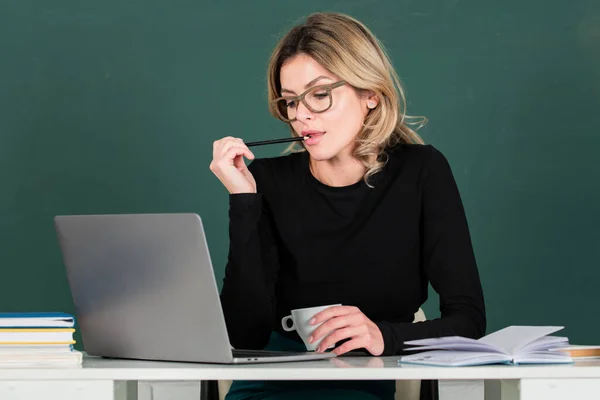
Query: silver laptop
(143, 287)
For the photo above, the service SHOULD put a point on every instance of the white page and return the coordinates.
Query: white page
(543, 357)
(440, 340)
(507, 341)
(41, 337)
(513, 338)
(475, 346)
(545, 343)
(578, 347)
(455, 358)
(58, 322)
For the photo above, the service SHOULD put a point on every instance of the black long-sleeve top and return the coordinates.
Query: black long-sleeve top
(299, 243)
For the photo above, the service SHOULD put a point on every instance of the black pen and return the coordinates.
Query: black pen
(274, 141)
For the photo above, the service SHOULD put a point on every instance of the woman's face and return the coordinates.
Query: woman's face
(332, 132)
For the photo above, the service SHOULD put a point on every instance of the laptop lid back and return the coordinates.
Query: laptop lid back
(143, 287)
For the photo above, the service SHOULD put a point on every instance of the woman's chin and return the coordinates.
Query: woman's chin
(319, 154)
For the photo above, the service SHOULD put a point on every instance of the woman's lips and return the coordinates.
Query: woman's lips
(314, 137)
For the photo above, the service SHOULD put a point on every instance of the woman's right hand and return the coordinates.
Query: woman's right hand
(229, 166)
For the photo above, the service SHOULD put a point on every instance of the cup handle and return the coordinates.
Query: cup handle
(285, 326)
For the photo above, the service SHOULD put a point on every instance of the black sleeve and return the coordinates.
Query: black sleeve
(448, 261)
(248, 293)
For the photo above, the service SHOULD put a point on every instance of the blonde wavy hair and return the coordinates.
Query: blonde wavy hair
(347, 48)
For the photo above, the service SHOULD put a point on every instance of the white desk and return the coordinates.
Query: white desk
(101, 379)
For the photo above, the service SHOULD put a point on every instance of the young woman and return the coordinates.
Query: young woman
(365, 215)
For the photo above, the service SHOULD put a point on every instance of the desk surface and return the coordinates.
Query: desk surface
(366, 368)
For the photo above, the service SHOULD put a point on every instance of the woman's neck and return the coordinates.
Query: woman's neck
(338, 172)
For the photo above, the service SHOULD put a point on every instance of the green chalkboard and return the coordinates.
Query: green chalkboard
(112, 107)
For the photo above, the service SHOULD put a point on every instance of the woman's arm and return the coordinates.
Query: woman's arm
(448, 261)
(248, 293)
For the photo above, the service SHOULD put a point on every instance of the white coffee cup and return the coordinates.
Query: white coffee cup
(300, 322)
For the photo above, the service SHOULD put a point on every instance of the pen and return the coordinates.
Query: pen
(285, 140)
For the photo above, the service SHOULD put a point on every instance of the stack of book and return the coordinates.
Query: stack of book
(581, 352)
(37, 339)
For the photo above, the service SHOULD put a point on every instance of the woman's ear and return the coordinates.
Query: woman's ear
(372, 100)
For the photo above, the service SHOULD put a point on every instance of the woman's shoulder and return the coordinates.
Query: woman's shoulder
(413, 151)
(416, 155)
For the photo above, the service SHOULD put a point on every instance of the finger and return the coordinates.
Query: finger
(331, 312)
(246, 152)
(227, 160)
(218, 145)
(336, 323)
(341, 334)
(234, 152)
(234, 144)
(224, 144)
(237, 141)
(357, 343)
(239, 163)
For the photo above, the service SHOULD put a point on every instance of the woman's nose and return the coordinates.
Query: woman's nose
(302, 112)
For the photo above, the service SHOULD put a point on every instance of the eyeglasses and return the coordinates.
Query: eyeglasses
(317, 99)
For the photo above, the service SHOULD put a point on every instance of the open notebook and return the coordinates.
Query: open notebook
(514, 344)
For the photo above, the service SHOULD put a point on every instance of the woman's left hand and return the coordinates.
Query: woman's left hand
(347, 322)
